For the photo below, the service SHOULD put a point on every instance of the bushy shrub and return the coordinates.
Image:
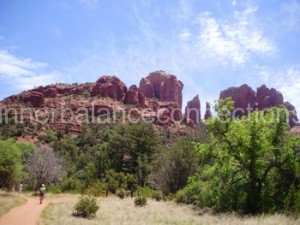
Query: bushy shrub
(145, 191)
(86, 207)
(72, 184)
(115, 180)
(158, 196)
(54, 189)
(95, 189)
(190, 194)
(121, 194)
(140, 201)
(292, 200)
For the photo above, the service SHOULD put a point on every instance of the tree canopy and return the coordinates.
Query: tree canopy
(248, 164)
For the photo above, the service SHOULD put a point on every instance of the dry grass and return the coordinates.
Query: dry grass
(9, 201)
(114, 211)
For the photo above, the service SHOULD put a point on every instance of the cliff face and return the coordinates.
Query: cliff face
(71, 106)
(247, 100)
(193, 110)
(243, 97)
(158, 100)
(163, 86)
(208, 113)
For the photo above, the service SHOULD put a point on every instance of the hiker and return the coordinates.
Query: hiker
(42, 193)
(20, 188)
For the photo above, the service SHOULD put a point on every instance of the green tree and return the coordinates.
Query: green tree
(248, 163)
(173, 167)
(11, 157)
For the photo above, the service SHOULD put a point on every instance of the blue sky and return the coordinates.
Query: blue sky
(210, 45)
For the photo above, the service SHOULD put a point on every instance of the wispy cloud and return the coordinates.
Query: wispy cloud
(286, 80)
(89, 4)
(184, 35)
(232, 41)
(191, 51)
(24, 73)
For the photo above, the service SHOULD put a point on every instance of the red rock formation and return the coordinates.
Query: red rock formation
(208, 113)
(11, 99)
(134, 97)
(171, 111)
(69, 106)
(33, 98)
(192, 110)
(190, 123)
(267, 98)
(293, 119)
(163, 86)
(245, 99)
(295, 131)
(83, 89)
(146, 88)
(110, 86)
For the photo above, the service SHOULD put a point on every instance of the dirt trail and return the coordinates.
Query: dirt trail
(28, 213)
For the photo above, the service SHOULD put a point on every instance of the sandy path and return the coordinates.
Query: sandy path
(28, 213)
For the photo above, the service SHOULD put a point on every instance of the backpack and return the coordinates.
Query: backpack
(42, 191)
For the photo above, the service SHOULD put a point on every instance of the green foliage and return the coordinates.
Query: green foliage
(10, 127)
(115, 181)
(140, 201)
(158, 196)
(145, 191)
(72, 184)
(11, 158)
(292, 200)
(86, 207)
(121, 194)
(50, 136)
(54, 189)
(96, 189)
(191, 194)
(173, 166)
(248, 164)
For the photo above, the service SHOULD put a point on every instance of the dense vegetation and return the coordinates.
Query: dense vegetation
(248, 165)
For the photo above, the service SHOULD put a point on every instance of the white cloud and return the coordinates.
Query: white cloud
(233, 2)
(191, 51)
(24, 73)
(89, 4)
(232, 41)
(184, 35)
(287, 81)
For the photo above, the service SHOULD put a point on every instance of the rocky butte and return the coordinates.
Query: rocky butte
(159, 92)
(158, 100)
(246, 98)
(162, 86)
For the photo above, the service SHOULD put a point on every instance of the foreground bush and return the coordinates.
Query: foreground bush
(140, 201)
(145, 191)
(158, 196)
(121, 194)
(248, 165)
(86, 207)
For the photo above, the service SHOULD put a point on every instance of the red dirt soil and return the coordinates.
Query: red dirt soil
(28, 213)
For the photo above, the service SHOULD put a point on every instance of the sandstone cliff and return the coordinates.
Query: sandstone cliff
(246, 100)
